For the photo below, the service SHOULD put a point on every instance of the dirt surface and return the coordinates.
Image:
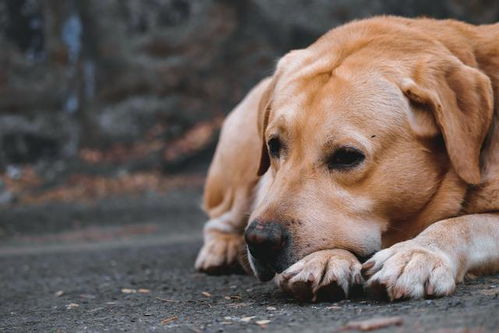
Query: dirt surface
(138, 276)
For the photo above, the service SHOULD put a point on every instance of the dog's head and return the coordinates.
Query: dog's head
(357, 141)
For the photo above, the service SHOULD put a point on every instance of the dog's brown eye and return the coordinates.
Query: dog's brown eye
(345, 158)
(274, 147)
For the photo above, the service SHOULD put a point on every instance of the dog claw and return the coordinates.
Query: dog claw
(322, 275)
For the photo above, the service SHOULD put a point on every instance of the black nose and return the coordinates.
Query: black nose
(265, 239)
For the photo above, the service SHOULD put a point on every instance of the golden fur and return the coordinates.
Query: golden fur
(419, 97)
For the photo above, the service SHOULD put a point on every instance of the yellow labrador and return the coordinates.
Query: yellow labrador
(380, 141)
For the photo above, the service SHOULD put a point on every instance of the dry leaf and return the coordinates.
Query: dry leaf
(128, 291)
(247, 319)
(205, 293)
(168, 320)
(72, 306)
(166, 299)
(238, 305)
(372, 324)
(333, 307)
(489, 292)
(262, 323)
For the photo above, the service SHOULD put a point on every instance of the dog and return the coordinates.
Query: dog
(369, 158)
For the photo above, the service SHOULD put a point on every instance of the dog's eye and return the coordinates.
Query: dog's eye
(274, 147)
(345, 158)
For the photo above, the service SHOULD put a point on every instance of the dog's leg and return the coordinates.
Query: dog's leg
(322, 275)
(431, 264)
(230, 187)
(223, 240)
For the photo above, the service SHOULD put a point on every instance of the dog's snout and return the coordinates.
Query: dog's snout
(265, 239)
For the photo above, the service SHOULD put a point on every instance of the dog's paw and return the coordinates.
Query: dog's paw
(322, 275)
(409, 270)
(220, 253)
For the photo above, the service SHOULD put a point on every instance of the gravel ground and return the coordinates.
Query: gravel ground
(144, 281)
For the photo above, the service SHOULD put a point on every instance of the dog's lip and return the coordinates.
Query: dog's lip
(365, 258)
(266, 275)
(263, 272)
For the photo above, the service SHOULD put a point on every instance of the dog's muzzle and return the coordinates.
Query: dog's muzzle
(268, 247)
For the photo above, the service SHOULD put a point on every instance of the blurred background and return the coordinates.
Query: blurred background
(110, 109)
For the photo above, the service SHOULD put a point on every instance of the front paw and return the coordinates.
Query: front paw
(410, 270)
(220, 253)
(322, 275)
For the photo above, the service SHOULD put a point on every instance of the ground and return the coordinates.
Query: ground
(126, 264)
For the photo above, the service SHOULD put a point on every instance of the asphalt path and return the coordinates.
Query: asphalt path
(139, 277)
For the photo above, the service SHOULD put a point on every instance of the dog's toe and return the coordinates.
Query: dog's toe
(409, 270)
(320, 276)
(219, 254)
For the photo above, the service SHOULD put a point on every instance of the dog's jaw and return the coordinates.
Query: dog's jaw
(261, 271)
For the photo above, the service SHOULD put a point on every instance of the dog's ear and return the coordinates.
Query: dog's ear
(263, 120)
(455, 100)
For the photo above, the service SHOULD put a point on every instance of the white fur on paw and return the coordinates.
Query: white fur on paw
(218, 252)
(410, 270)
(326, 274)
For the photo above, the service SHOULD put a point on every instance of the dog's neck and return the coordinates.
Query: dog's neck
(446, 202)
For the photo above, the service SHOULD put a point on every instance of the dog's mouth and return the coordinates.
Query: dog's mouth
(364, 258)
(265, 271)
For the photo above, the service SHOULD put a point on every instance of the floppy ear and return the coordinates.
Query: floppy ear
(456, 100)
(263, 120)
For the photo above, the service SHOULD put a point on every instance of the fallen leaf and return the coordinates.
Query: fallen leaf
(166, 299)
(247, 319)
(238, 305)
(59, 293)
(169, 320)
(143, 291)
(489, 292)
(372, 324)
(72, 306)
(128, 291)
(333, 307)
(262, 323)
(96, 309)
(205, 293)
